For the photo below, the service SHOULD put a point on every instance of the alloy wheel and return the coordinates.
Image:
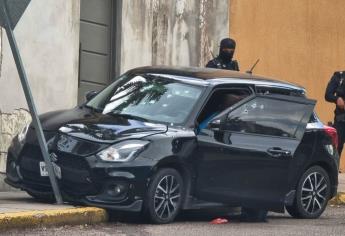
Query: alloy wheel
(314, 192)
(167, 196)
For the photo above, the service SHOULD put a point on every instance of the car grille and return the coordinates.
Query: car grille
(76, 174)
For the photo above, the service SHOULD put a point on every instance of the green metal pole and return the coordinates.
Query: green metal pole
(35, 120)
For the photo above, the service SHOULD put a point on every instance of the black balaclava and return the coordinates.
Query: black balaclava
(226, 43)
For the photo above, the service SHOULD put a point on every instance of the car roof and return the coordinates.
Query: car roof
(214, 77)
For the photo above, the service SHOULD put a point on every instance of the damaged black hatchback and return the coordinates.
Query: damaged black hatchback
(160, 139)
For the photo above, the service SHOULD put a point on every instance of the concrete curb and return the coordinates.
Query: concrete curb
(67, 216)
(339, 199)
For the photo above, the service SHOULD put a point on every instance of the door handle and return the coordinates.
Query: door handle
(278, 152)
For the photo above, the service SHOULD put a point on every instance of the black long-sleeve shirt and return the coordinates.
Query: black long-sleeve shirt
(336, 89)
(219, 64)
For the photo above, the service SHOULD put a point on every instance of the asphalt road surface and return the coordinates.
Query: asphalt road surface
(331, 223)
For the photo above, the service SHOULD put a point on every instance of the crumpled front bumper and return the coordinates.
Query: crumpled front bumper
(135, 206)
(90, 184)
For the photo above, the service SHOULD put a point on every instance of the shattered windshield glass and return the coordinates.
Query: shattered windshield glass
(148, 97)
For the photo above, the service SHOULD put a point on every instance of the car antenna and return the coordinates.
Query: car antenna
(251, 69)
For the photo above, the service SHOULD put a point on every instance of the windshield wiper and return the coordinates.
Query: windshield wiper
(129, 116)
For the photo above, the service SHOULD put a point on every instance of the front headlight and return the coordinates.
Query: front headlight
(22, 133)
(123, 151)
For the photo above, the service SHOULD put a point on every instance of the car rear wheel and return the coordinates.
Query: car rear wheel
(164, 196)
(312, 194)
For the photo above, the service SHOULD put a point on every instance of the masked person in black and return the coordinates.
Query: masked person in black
(335, 93)
(224, 59)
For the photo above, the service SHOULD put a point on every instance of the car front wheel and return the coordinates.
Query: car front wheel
(164, 196)
(312, 194)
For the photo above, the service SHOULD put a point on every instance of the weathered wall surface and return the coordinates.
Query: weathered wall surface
(10, 125)
(48, 39)
(181, 33)
(297, 41)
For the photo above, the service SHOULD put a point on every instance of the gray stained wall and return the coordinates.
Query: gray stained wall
(181, 32)
(48, 39)
(151, 32)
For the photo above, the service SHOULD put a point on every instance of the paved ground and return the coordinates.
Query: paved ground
(22, 202)
(331, 223)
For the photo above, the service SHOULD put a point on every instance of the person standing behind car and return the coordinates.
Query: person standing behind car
(335, 93)
(225, 61)
(225, 58)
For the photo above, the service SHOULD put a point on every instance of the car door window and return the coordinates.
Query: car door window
(267, 116)
(220, 100)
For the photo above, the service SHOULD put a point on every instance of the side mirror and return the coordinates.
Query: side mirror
(214, 124)
(89, 95)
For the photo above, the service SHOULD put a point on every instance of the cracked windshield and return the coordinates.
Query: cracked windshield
(149, 98)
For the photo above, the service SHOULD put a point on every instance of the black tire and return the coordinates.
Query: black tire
(292, 210)
(312, 194)
(164, 196)
(43, 197)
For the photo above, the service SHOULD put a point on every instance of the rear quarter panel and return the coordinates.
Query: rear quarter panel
(310, 152)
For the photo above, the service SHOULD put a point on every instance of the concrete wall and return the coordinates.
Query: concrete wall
(48, 39)
(10, 125)
(182, 32)
(298, 41)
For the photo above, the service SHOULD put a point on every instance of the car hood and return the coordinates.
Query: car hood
(98, 127)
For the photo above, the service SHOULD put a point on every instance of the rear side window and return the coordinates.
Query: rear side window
(266, 116)
(279, 91)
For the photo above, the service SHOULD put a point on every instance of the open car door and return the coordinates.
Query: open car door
(245, 161)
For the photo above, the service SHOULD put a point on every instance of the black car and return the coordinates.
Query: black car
(162, 139)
